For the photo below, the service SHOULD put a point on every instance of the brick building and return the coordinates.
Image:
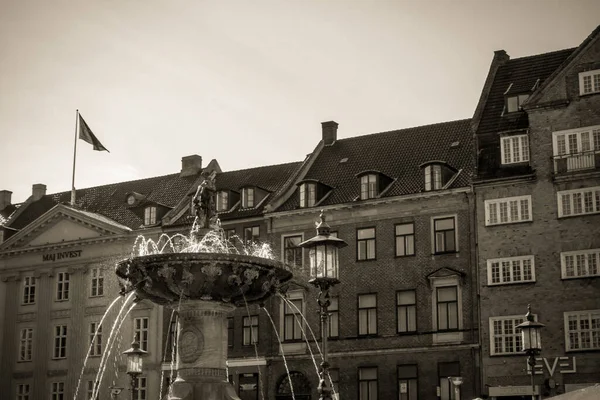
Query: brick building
(537, 193)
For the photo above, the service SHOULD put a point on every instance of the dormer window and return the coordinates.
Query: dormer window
(222, 201)
(514, 149)
(368, 186)
(248, 197)
(433, 177)
(308, 194)
(150, 215)
(589, 82)
(130, 200)
(514, 103)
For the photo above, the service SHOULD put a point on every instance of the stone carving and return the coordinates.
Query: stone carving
(204, 205)
(190, 345)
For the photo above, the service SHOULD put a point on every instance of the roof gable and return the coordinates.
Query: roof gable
(61, 225)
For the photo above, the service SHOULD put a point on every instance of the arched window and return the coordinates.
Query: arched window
(296, 380)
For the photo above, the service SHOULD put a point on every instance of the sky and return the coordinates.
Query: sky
(244, 82)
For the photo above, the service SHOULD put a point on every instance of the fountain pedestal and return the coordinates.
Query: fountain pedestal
(202, 352)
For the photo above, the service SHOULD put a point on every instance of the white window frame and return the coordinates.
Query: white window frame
(307, 193)
(580, 155)
(449, 336)
(222, 200)
(91, 387)
(250, 326)
(594, 334)
(368, 389)
(521, 260)
(433, 177)
(63, 281)
(586, 261)
(142, 388)
(58, 390)
(60, 342)
(370, 313)
(150, 215)
(520, 99)
(248, 201)
(97, 282)
(515, 335)
(141, 328)
(252, 229)
(433, 233)
(369, 186)
(283, 252)
(518, 149)
(25, 344)
(577, 198)
(594, 76)
(28, 290)
(95, 342)
(406, 312)
(23, 391)
(493, 210)
(370, 252)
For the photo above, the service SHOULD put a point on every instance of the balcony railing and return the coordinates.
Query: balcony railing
(576, 162)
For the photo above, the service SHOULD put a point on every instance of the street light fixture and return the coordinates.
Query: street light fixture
(135, 362)
(324, 273)
(456, 381)
(532, 343)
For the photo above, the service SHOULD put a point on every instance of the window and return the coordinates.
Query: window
(444, 235)
(367, 314)
(292, 328)
(62, 286)
(365, 244)
(407, 382)
(513, 103)
(508, 210)
(368, 187)
(58, 391)
(140, 332)
(150, 215)
(433, 177)
(95, 339)
(515, 149)
(405, 240)
(367, 383)
(446, 370)
(576, 149)
(60, 342)
(580, 263)
(505, 338)
(579, 202)
(230, 331)
(23, 391)
(92, 386)
(511, 270)
(582, 330)
(97, 282)
(447, 308)
(250, 332)
(141, 388)
(334, 318)
(406, 311)
(308, 194)
(26, 344)
(292, 254)
(248, 197)
(589, 82)
(251, 233)
(222, 201)
(29, 290)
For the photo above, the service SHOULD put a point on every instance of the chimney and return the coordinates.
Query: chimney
(329, 132)
(500, 56)
(5, 198)
(191, 165)
(38, 191)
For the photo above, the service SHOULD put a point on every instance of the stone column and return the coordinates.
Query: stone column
(202, 352)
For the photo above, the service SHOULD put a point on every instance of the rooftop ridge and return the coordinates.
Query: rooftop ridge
(262, 166)
(541, 54)
(456, 121)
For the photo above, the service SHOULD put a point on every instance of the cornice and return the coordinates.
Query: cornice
(64, 245)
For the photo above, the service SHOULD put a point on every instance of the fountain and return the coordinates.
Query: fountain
(204, 288)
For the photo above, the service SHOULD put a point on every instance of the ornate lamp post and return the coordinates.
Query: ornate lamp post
(456, 381)
(324, 273)
(532, 343)
(135, 357)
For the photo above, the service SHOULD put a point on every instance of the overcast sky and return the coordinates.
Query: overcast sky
(244, 82)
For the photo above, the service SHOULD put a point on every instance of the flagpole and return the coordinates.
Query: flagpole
(74, 157)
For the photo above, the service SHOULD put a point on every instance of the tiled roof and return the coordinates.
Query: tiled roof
(397, 154)
(521, 76)
(109, 200)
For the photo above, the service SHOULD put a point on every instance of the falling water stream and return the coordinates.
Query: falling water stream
(282, 353)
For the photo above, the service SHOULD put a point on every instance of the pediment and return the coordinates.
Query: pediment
(61, 225)
(445, 272)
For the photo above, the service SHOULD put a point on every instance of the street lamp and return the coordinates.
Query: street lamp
(135, 357)
(324, 274)
(456, 381)
(532, 343)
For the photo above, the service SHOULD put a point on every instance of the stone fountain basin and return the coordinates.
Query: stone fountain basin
(169, 278)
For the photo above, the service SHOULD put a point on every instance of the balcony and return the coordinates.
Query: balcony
(576, 162)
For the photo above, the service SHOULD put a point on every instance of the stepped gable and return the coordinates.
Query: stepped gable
(519, 75)
(397, 154)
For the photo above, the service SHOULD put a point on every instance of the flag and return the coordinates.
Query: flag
(85, 133)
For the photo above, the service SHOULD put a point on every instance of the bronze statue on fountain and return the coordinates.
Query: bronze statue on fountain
(203, 288)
